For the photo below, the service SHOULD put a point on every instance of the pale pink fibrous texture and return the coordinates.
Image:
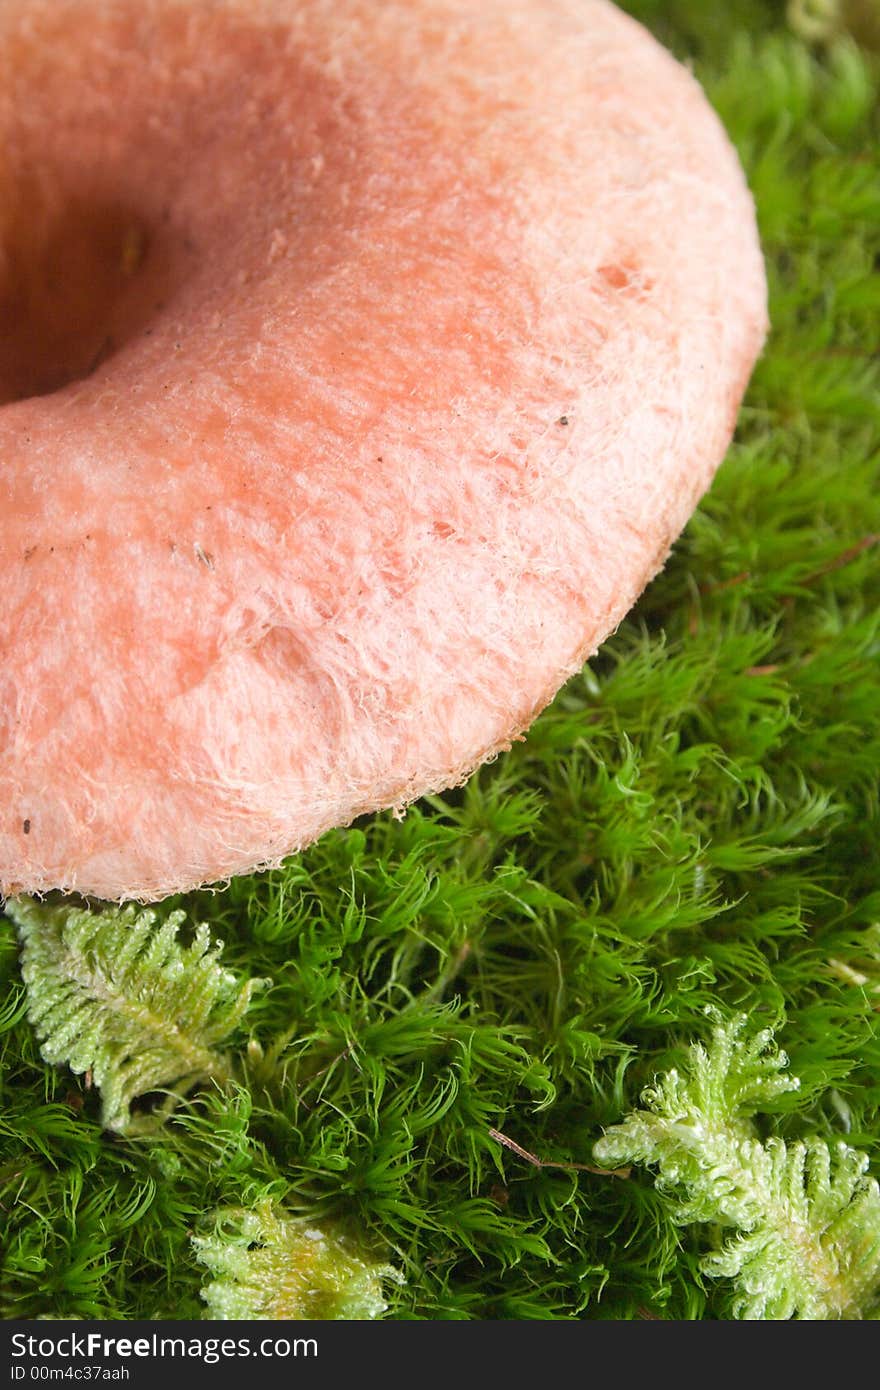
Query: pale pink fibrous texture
(434, 323)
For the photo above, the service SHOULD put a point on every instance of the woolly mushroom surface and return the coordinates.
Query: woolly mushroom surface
(365, 360)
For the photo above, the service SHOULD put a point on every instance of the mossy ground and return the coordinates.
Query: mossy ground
(694, 822)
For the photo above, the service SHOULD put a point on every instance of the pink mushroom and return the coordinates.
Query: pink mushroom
(360, 360)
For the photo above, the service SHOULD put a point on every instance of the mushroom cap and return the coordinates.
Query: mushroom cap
(412, 333)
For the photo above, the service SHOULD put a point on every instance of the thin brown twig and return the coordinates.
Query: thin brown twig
(549, 1163)
(731, 583)
(845, 557)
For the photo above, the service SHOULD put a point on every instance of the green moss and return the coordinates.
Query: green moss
(796, 1225)
(268, 1266)
(116, 998)
(694, 823)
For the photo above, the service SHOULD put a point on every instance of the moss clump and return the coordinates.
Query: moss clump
(796, 1224)
(269, 1266)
